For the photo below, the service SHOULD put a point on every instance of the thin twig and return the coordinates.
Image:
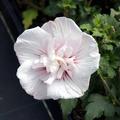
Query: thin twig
(7, 28)
(48, 110)
(108, 88)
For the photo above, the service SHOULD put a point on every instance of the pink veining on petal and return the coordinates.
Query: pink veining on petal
(60, 63)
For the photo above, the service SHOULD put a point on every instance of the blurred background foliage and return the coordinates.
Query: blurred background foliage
(101, 19)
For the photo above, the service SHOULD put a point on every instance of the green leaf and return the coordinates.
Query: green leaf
(52, 9)
(98, 106)
(113, 12)
(67, 106)
(104, 63)
(111, 72)
(67, 4)
(87, 27)
(107, 67)
(28, 16)
(97, 33)
(108, 47)
(97, 20)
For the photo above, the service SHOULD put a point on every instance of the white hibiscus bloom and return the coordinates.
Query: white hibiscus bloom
(56, 60)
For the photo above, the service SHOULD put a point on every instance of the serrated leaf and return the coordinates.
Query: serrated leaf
(28, 16)
(97, 33)
(111, 72)
(98, 106)
(87, 27)
(113, 12)
(67, 106)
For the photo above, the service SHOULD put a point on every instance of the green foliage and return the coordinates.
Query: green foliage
(97, 106)
(115, 13)
(28, 16)
(52, 9)
(67, 106)
(67, 4)
(86, 27)
(106, 30)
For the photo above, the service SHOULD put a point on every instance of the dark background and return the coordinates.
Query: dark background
(15, 104)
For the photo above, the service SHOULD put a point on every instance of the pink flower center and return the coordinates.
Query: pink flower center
(60, 65)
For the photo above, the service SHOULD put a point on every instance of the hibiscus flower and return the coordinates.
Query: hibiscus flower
(56, 60)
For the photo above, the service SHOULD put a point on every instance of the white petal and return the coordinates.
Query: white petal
(63, 89)
(82, 81)
(50, 80)
(88, 55)
(65, 51)
(37, 64)
(31, 43)
(88, 46)
(60, 73)
(65, 31)
(61, 51)
(62, 26)
(68, 52)
(69, 88)
(30, 81)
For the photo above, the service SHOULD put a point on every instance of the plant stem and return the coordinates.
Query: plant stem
(108, 88)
